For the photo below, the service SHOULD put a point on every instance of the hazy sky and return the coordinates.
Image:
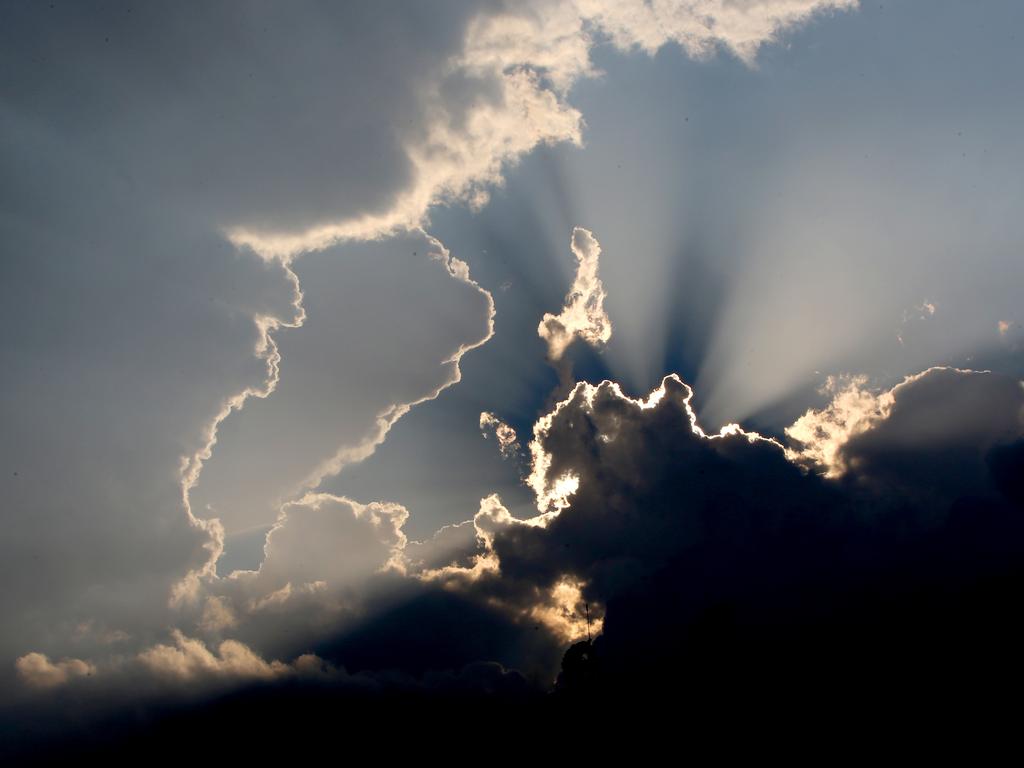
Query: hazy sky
(265, 265)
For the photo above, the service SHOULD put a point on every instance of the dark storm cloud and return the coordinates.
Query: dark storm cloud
(664, 528)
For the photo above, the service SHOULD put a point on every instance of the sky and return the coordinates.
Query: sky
(395, 349)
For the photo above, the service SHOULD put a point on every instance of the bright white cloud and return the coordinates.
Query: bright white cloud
(822, 433)
(583, 315)
(701, 26)
(505, 435)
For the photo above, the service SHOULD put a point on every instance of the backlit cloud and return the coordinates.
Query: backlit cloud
(583, 315)
(821, 434)
(229, 311)
(505, 435)
(137, 198)
(940, 416)
(506, 92)
(36, 670)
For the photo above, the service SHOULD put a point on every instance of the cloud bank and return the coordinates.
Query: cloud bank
(713, 562)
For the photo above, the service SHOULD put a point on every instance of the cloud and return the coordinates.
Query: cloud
(704, 551)
(707, 558)
(691, 549)
(143, 326)
(583, 315)
(184, 665)
(134, 197)
(452, 545)
(320, 562)
(821, 434)
(319, 557)
(505, 435)
(37, 671)
(506, 92)
(631, 462)
(927, 435)
(331, 539)
(701, 26)
(189, 659)
(160, 220)
(218, 615)
(933, 445)
(388, 325)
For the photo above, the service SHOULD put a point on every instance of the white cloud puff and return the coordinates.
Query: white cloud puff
(505, 435)
(700, 26)
(583, 315)
(37, 671)
(820, 434)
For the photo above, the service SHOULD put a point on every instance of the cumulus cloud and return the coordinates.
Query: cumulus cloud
(389, 323)
(451, 546)
(189, 659)
(319, 557)
(402, 109)
(928, 433)
(506, 92)
(694, 556)
(631, 461)
(685, 548)
(674, 533)
(583, 315)
(820, 434)
(701, 26)
(505, 435)
(166, 242)
(183, 664)
(156, 326)
(674, 539)
(336, 540)
(935, 442)
(36, 670)
(319, 564)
